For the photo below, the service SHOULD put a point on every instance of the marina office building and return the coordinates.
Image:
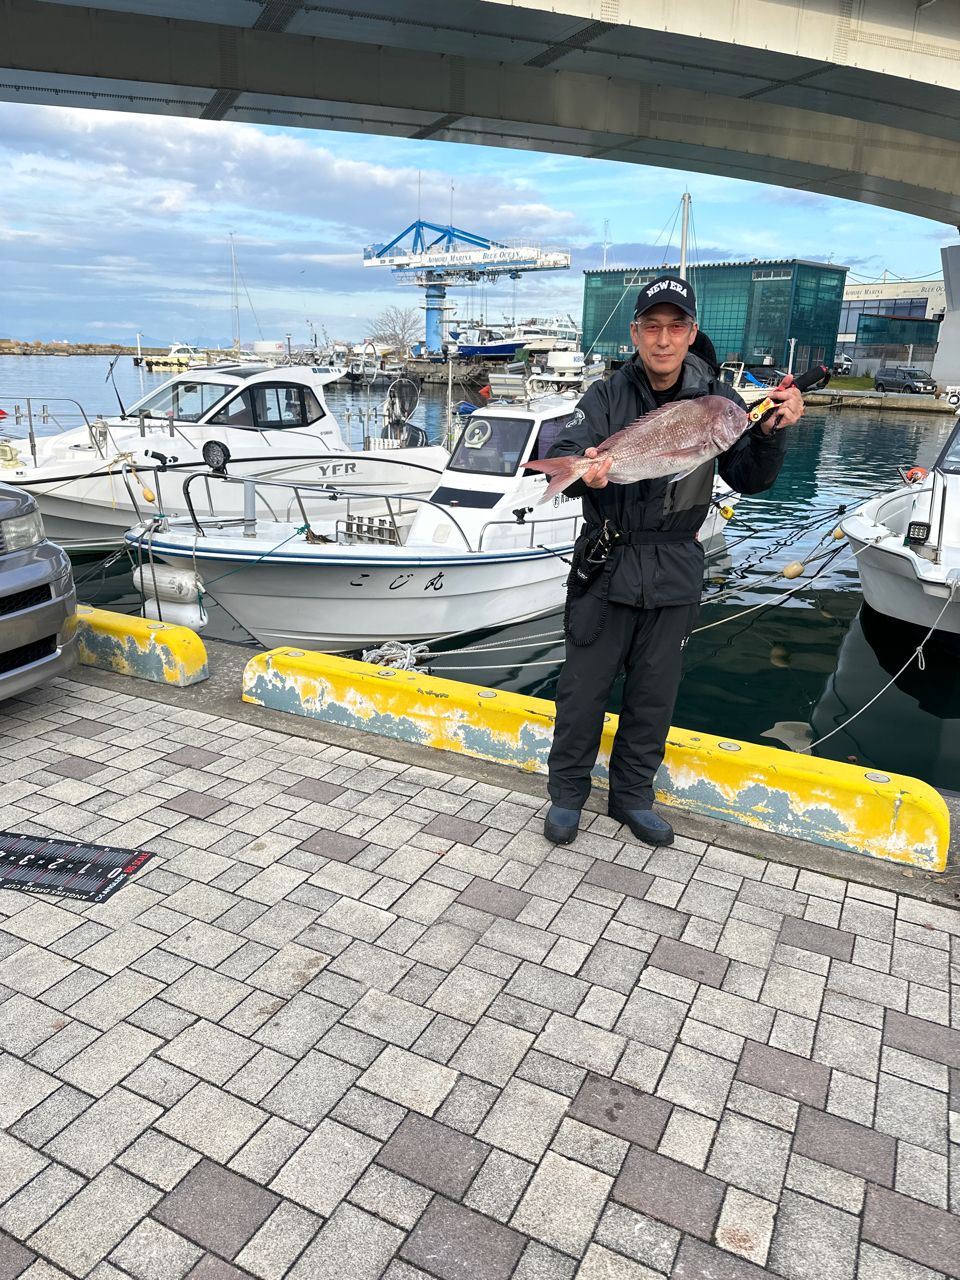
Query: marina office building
(891, 321)
(749, 310)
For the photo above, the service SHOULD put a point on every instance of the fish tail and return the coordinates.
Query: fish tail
(562, 472)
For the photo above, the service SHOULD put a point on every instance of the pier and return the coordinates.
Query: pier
(356, 1017)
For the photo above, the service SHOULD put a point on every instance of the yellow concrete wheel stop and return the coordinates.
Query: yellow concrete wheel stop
(841, 805)
(141, 647)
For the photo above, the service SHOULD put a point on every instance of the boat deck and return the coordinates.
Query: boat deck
(356, 1018)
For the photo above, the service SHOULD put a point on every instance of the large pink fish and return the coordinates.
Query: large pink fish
(672, 440)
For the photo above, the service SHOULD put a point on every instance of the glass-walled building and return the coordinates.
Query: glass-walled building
(749, 310)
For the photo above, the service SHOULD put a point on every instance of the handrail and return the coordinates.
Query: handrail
(45, 417)
(326, 491)
(532, 525)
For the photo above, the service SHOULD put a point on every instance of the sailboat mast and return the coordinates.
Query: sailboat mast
(234, 294)
(685, 202)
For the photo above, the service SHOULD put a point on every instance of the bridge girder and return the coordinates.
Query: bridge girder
(568, 82)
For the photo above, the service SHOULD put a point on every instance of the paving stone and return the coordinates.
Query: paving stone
(37, 1201)
(619, 878)
(750, 1155)
(923, 1038)
(544, 986)
(98, 1136)
(852, 1098)
(309, 1090)
(158, 1159)
(105, 1062)
(458, 1244)
(688, 1138)
(812, 1241)
(770, 1108)
(793, 990)
(868, 985)
(216, 1208)
(492, 1051)
(601, 1264)
(265, 1154)
(923, 1174)
(384, 1016)
(584, 1046)
(279, 1242)
(496, 899)
(690, 962)
(85, 1230)
(746, 1225)
(670, 1192)
(160, 1081)
(851, 1046)
(912, 1112)
(465, 994)
(440, 1158)
(562, 1204)
(524, 1119)
(844, 1145)
(208, 1051)
(696, 1080)
(497, 1188)
(443, 945)
(817, 937)
(213, 1122)
(699, 1261)
(409, 1080)
(784, 1073)
(618, 1109)
(639, 1237)
(14, 1258)
(297, 1024)
(609, 965)
(652, 1018)
(842, 1190)
(351, 1243)
(732, 1013)
(152, 1252)
(878, 1264)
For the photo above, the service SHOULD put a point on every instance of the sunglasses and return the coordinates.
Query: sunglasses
(674, 328)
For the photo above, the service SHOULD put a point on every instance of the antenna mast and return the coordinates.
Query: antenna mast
(685, 202)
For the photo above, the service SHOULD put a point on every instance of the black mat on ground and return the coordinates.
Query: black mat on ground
(65, 868)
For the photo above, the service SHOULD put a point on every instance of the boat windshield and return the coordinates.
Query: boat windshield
(492, 446)
(184, 400)
(949, 460)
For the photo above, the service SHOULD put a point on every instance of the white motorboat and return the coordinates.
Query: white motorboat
(94, 481)
(321, 569)
(908, 544)
(180, 356)
(750, 384)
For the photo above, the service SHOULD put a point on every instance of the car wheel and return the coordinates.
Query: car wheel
(878, 386)
(908, 389)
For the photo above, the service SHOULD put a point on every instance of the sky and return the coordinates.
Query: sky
(113, 223)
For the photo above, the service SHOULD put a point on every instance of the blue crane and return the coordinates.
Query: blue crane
(441, 257)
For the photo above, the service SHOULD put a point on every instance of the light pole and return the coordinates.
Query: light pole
(289, 350)
(793, 343)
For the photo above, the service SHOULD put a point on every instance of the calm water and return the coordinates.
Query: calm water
(804, 663)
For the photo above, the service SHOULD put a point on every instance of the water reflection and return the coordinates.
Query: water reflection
(914, 727)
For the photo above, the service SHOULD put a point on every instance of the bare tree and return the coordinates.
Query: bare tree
(398, 327)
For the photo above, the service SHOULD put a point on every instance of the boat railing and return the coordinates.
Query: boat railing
(298, 494)
(541, 530)
(31, 412)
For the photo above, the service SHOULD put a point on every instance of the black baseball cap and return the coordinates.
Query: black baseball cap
(666, 289)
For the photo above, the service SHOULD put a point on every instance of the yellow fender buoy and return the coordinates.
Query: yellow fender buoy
(149, 495)
(793, 569)
(839, 534)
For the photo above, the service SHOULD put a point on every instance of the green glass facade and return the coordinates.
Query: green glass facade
(896, 331)
(749, 310)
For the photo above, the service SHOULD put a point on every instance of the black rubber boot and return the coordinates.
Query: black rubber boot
(561, 825)
(646, 825)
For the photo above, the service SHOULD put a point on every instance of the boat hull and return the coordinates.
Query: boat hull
(344, 604)
(891, 587)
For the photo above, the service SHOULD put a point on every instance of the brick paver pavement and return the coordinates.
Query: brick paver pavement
(358, 1019)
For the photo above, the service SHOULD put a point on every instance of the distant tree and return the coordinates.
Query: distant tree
(398, 327)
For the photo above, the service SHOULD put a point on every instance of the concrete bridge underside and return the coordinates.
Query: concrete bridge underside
(852, 98)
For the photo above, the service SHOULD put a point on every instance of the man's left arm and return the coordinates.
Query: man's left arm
(753, 463)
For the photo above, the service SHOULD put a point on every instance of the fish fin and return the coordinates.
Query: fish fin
(682, 475)
(562, 472)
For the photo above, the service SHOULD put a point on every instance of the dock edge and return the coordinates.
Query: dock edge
(844, 806)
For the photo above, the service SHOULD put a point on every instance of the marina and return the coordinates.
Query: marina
(480, 703)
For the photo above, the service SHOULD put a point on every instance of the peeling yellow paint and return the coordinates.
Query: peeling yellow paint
(140, 647)
(822, 801)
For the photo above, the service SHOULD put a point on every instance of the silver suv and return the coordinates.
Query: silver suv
(903, 377)
(38, 602)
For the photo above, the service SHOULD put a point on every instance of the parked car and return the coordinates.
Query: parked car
(903, 377)
(38, 601)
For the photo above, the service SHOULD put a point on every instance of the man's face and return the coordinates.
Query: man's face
(662, 337)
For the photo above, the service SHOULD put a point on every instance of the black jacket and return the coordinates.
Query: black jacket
(667, 573)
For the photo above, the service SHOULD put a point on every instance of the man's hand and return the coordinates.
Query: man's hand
(595, 477)
(791, 406)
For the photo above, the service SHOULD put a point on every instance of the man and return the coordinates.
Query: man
(637, 610)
